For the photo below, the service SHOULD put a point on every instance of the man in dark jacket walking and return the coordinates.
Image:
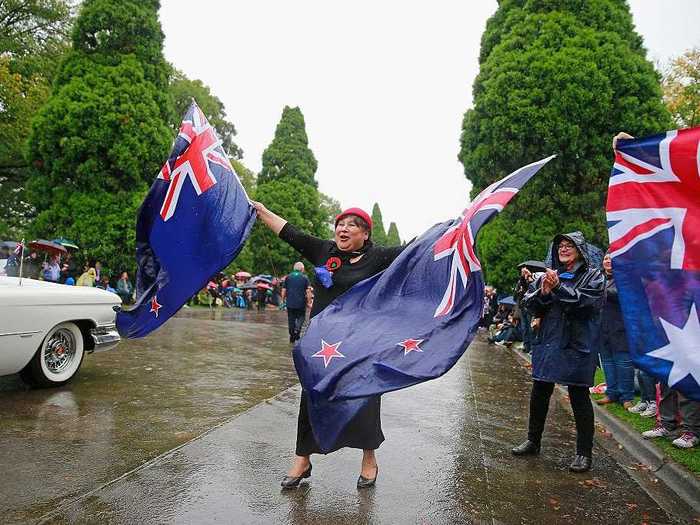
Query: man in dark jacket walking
(565, 303)
(294, 292)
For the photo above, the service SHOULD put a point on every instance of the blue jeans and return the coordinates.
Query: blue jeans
(647, 386)
(619, 374)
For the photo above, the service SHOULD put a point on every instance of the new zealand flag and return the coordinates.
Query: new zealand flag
(653, 215)
(191, 225)
(406, 325)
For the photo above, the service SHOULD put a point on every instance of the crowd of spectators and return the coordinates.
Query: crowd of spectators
(62, 268)
(509, 323)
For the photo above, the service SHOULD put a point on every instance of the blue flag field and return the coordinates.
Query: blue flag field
(191, 225)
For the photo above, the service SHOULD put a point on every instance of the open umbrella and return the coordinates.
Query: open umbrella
(262, 278)
(248, 286)
(508, 301)
(242, 275)
(11, 245)
(66, 243)
(47, 246)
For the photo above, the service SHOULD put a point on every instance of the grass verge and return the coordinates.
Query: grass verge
(690, 458)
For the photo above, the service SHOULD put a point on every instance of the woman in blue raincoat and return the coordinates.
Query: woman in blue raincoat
(565, 304)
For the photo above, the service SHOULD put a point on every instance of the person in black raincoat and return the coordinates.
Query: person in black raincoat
(614, 353)
(565, 304)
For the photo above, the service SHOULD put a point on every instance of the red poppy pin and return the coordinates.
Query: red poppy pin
(333, 264)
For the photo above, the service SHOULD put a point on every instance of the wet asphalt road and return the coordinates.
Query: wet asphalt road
(133, 403)
(446, 458)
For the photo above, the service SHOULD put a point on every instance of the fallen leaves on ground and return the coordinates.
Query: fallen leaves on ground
(593, 482)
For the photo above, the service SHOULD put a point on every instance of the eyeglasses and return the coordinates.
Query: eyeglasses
(566, 246)
(349, 224)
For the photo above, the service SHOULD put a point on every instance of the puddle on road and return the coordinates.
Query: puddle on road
(133, 403)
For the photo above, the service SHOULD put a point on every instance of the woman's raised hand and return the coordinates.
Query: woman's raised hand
(271, 220)
(620, 135)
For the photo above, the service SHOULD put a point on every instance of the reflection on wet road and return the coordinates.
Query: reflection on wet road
(446, 459)
(130, 404)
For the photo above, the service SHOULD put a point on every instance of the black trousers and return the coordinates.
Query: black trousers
(580, 404)
(295, 320)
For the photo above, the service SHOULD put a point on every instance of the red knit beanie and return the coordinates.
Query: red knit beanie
(359, 212)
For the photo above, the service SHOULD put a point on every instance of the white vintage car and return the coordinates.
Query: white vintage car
(46, 328)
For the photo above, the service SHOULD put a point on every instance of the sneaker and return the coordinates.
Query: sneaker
(599, 389)
(687, 440)
(650, 410)
(658, 432)
(500, 343)
(638, 408)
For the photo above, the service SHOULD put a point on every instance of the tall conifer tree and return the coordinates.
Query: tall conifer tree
(103, 134)
(289, 156)
(378, 231)
(556, 76)
(286, 185)
(392, 236)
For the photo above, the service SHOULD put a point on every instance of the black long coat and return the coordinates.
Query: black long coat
(613, 336)
(565, 347)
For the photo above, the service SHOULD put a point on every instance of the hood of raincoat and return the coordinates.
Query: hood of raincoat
(577, 239)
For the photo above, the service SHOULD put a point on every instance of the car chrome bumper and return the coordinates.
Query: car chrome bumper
(105, 337)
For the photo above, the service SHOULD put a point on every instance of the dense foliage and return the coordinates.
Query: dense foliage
(556, 76)
(103, 133)
(33, 37)
(289, 156)
(681, 85)
(378, 232)
(183, 90)
(286, 185)
(392, 236)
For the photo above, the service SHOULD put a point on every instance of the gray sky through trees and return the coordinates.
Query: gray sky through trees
(382, 86)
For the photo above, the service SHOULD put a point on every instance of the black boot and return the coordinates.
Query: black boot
(581, 464)
(527, 448)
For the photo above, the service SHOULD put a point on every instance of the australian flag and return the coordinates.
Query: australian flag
(406, 325)
(653, 215)
(192, 224)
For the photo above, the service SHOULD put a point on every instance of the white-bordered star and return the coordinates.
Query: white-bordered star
(155, 306)
(411, 345)
(683, 348)
(328, 352)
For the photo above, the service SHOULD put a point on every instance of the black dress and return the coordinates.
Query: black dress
(365, 430)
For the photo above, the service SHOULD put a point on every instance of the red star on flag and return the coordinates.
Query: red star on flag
(411, 345)
(328, 352)
(155, 306)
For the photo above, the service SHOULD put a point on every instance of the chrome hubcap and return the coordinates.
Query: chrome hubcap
(59, 351)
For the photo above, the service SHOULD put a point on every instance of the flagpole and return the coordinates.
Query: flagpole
(21, 261)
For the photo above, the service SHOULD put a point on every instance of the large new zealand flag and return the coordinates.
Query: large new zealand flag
(406, 325)
(192, 224)
(653, 215)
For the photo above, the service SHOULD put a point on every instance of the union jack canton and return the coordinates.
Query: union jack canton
(653, 215)
(406, 325)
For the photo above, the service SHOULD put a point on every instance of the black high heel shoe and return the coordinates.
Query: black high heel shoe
(289, 482)
(364, 483)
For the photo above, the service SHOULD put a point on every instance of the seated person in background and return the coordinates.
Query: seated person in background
(104, 284)
(87, 278)
(508, 331)
(51, 271)
(125, 289)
